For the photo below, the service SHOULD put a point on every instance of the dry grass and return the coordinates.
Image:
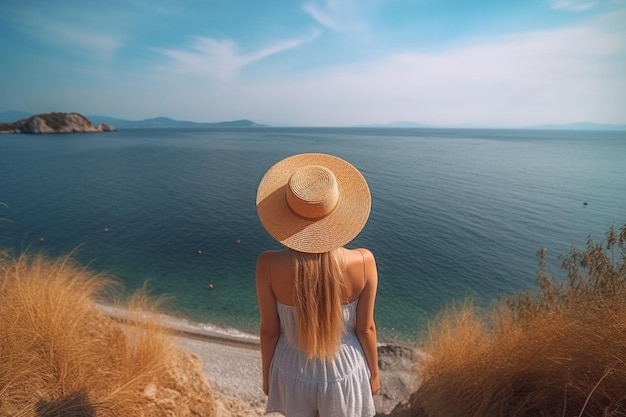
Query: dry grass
(59, 355)
(559, 351)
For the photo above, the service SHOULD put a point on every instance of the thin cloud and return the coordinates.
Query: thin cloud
(574, 5)
(82, 38)
(337, 15)
(222, 58)
(79, 37)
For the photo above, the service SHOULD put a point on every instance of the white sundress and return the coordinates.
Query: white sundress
(301, 387)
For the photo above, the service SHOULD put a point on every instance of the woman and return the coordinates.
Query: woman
(316, 298)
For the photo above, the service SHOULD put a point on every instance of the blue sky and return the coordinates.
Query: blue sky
(498, 63)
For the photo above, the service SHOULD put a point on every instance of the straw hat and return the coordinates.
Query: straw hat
(313, 202)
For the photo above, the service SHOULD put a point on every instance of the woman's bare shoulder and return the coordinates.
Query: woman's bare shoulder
(364, 252)
(366, 258)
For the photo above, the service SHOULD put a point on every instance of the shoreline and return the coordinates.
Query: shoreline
(208, 332)
(182, 327)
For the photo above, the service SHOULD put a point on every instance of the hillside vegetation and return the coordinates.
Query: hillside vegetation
(60, 356)
(554, 352)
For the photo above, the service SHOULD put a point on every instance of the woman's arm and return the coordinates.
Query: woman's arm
(365, 326)
(270, 324)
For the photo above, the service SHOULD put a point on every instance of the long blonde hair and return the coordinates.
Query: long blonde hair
(319, 292)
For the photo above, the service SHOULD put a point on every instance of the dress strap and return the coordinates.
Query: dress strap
(269, 272)
(364, 268)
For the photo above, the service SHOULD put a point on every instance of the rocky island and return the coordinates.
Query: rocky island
(54, 123)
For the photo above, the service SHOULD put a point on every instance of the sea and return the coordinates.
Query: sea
(456, 213)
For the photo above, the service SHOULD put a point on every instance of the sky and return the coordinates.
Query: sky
(447, 63)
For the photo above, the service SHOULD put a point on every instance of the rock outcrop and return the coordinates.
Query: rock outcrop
(54, 123)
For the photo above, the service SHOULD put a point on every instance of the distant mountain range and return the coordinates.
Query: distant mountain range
(400, 125)
(14, 116)
(157, 122)
(166, 122)
(567, 126)
(580, 126)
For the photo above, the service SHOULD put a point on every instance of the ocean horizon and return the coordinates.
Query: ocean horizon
(456, 213)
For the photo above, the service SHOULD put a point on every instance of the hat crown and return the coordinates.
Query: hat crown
(312, 192)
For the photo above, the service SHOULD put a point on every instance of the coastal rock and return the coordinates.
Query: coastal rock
(105, 127)
(184, 391)
(398, 376)
(54, 123)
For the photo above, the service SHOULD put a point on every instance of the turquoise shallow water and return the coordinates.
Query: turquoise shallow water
(454, 212)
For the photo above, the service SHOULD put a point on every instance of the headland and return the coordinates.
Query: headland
(55, 123)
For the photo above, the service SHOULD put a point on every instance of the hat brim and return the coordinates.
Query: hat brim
(336, 229)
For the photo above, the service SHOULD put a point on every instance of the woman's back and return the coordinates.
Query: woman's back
(283, 274)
